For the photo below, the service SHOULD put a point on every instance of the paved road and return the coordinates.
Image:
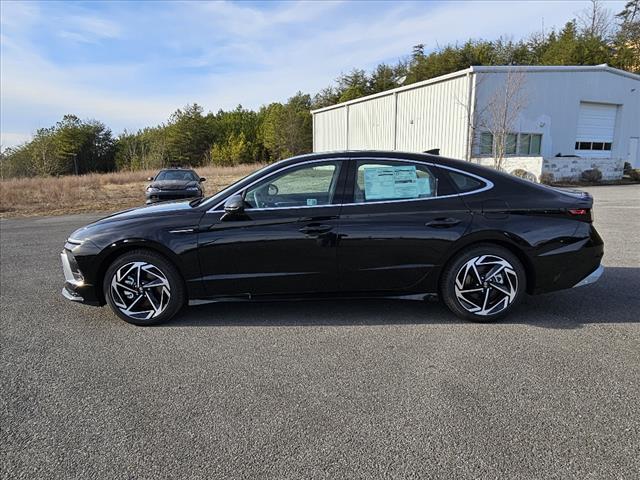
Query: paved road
(348, 389)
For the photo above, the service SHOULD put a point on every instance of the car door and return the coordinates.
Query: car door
(401, 219)
(284, 243)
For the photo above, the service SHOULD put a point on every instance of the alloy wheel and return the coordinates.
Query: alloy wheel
(486, 285)
(140, 290)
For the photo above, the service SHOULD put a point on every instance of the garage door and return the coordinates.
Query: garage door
(596, 127)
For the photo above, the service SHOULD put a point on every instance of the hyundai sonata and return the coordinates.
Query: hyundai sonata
(342, 224)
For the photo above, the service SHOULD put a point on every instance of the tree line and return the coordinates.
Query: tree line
(191, 137)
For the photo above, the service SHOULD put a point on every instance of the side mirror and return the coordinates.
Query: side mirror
(234, 206)
(150, 179)
(202, 179)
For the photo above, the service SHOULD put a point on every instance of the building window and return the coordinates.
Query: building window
(529, 143)
(593, 146)
(515, 143)
(486, 143)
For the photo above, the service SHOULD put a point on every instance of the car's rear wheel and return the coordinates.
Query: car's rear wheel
(143, 288)
(483, 283)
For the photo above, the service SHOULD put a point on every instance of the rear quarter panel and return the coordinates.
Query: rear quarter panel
(532, 221)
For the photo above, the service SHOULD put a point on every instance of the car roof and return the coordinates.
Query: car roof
(390, 154)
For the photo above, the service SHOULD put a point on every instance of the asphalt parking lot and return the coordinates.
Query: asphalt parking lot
(342, 389)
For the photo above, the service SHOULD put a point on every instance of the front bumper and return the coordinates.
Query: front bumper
(71, 295)
(168, 195)
(75, 288)
(593, 277)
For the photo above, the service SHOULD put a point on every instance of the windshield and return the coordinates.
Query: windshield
(181, 175)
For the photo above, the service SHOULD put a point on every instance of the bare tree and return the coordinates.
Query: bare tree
(595, 20)
(503, 108)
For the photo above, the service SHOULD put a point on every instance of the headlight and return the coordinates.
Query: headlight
(193, 189)
(153, 189)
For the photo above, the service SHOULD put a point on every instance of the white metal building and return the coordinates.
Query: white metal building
(569, 119)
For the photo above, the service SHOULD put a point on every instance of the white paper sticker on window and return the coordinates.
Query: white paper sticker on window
(389, 183)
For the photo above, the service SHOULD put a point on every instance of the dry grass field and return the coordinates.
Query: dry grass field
(98, 192)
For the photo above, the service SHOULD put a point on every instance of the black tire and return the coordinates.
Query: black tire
(495, 295)
(155, 267)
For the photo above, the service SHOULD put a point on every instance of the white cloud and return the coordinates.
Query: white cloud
(245, 21)
(18, 14)
(89, 24)
(89, 29)
(11, 139)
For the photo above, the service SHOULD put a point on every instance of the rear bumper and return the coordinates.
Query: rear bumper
(593, 277)
(574, 264)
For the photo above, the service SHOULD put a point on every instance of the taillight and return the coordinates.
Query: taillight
(583, 214)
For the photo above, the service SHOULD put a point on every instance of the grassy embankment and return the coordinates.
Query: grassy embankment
(97, 192)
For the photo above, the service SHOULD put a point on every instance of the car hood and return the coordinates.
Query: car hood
(173, 184)
(159, 209)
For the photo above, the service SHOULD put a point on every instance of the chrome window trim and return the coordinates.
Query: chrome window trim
(488, 184)
(293, 208)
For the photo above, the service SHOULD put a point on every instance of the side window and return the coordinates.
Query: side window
(388, 180)
(465, 183)
(306, 186)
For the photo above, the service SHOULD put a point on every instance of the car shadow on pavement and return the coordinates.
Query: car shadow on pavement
(614, 299)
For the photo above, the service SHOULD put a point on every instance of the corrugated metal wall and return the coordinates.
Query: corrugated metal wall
(330, 130)
(371, 124)
(434, 116)
(426, 117)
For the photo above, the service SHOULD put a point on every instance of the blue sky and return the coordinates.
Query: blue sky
(131, 64)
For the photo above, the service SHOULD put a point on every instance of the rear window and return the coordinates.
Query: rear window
(387, 180)
(465, 183)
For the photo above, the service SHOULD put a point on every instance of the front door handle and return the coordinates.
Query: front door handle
(315, 229)
(443, 222)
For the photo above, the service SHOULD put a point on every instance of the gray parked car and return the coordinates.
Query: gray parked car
(173, 184)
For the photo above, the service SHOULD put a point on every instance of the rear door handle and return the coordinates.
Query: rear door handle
(315, 229)
(443, 223)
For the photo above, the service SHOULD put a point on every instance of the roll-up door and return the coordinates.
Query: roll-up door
(596, 128)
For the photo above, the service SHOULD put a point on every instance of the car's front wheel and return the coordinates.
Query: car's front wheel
(483, 283)
(143, 288)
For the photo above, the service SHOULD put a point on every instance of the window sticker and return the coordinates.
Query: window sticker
(389, 183)
(312, 202)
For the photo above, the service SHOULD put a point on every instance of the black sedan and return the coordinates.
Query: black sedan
(342, 224)
(174, 184)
